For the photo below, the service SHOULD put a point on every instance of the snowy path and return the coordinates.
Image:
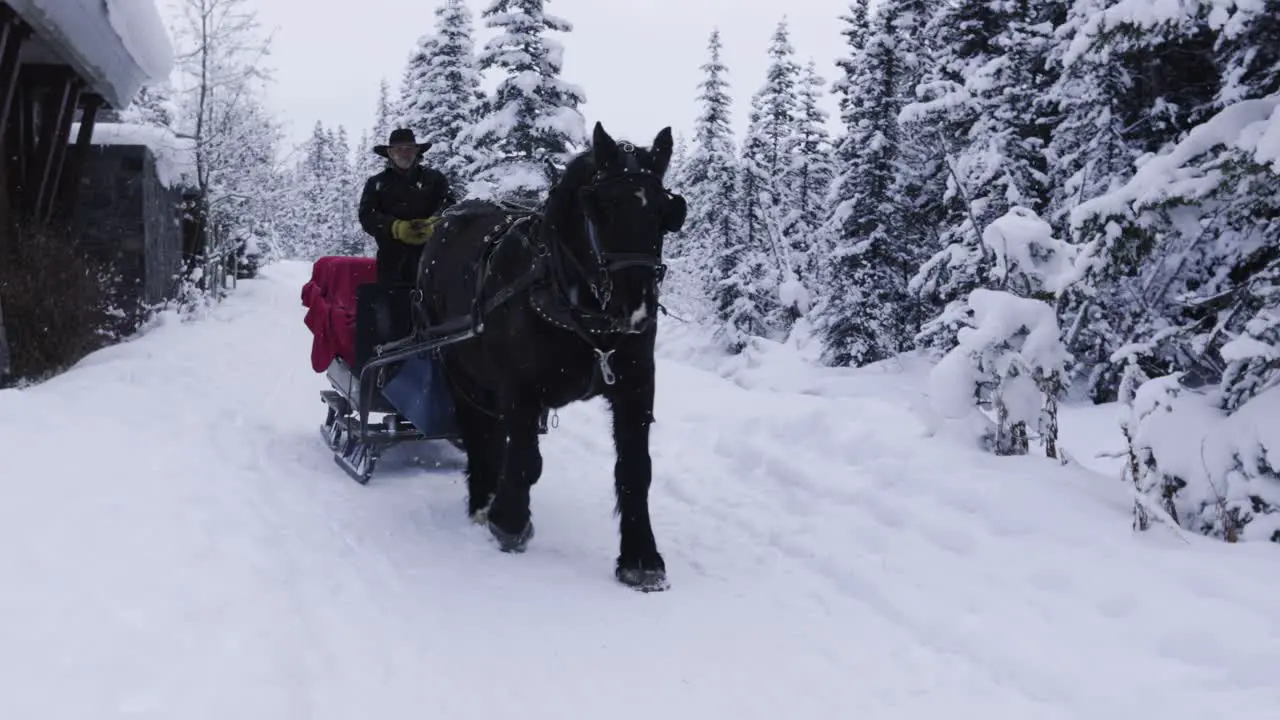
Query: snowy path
(176, 542)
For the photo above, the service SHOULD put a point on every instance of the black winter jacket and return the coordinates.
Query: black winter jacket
(391, 195)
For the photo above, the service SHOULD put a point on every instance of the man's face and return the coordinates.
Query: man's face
(403, 155)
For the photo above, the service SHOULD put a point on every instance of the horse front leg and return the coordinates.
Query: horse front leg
(510, 520)
(640, 565)
(483, 441)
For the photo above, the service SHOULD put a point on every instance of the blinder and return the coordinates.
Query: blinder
(674, 210)
(607, 190)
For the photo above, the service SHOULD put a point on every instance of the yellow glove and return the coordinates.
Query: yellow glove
(421, 230)
(401, 229)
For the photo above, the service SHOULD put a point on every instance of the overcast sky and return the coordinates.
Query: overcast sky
(637, 60)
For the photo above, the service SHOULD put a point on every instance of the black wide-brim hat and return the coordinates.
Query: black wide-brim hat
(401, 136)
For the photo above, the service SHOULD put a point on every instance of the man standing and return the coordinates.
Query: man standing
(400, 206)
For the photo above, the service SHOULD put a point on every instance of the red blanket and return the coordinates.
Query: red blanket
(330, 299)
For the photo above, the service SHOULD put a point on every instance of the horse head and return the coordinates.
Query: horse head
(611, 212)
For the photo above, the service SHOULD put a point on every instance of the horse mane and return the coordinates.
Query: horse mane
(561, 196)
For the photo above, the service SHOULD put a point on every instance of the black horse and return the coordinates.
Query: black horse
(563, 301)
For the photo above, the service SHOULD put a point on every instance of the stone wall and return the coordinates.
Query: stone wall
(127, 217)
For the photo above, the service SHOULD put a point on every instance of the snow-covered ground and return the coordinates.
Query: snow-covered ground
(176, 542)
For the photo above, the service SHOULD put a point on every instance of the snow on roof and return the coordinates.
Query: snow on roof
(117, 45)
(174, 155)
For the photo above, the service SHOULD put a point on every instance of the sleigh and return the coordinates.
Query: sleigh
(387, 384)
(370, 408)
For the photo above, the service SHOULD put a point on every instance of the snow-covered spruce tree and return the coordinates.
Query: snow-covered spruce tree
(384, 116)
(920, 175)
(920, 180)
(327, 192)
(863, 316)
(416, 104)
(1092, 152)
(531, 125)
(1009, 354)
(983, 99)
(713, 230)
(758, 258)
(313, 196)
(676, 172)
(854, 28)
(809, 177)
(1168, 52)
(708, 177)
(1006, 160)
(1138, 264)
(350, 238)
(1194, 237)
(944, 111)
(766, 198)
(1089, 153)
(1249, 53)
(1175, 300)
(450, 93)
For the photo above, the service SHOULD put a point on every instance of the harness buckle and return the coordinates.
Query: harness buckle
(606, 372)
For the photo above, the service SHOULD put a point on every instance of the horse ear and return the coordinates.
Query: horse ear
(662, 148)
(603, 148)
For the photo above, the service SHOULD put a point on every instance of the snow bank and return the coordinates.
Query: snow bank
(116, 44)
(174, 155)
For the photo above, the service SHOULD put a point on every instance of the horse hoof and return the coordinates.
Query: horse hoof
(512, 542)
(642, 579)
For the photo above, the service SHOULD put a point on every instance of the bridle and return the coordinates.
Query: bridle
(634, 180)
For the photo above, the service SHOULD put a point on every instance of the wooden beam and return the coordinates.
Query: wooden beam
(49, 193)
(17, 146)
(12, 34)
(55, 129)
(70, 182)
